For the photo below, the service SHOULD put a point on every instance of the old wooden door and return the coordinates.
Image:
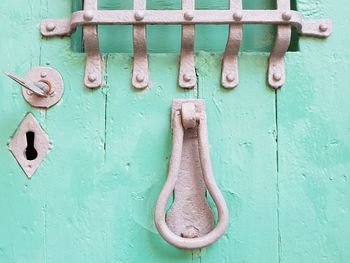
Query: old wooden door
(281, 159)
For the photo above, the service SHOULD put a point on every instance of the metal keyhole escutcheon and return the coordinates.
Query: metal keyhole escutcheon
(29, 145)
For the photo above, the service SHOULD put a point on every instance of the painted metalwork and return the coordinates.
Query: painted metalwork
(38, 88)
(188, 17)
(276, 71)
(140, 75)
(94, 61)
(187, 72)
(189, 223)
(19, 145)
(43, 87)
(230, 76)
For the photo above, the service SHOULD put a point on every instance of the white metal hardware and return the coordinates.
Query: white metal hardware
(19, 145)
(94, 61)
(187, 72)
(42, 86)
(276, 71)
(38, 88)
(189, 223)
(188, 17)
(230, 76)
(140, 73)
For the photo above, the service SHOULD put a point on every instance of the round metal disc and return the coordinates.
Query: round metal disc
(47, 75)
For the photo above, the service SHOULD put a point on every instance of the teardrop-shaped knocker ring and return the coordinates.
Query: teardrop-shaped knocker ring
(189, 223)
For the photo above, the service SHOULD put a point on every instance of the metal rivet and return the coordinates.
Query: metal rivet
(50, 27)
(230, 77)
(187, 77)
(323, 27)
(237, 16)
(92, 77)
(88, 15)
(287, 15)
(139, 15)
(277, 76)
(140, 77)
(189, 15)
(43, 74)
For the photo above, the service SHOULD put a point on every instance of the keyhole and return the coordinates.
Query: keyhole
(30, 152)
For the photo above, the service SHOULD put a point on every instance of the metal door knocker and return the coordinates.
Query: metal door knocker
(189, 224)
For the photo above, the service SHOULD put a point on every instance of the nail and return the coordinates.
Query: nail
(50, 27)
(139, 15)
(277, 76)
(230, 77)
(189, 15)
(287, 15)
(237, 16)
(187, 77)
(323, 27)
(140, 77)
(88, 15)
(92, 77)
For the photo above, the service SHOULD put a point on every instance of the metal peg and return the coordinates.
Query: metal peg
(41, 88)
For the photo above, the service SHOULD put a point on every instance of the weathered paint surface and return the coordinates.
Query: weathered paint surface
(282, 160)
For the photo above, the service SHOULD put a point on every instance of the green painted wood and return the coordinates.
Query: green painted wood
(243, 150)
(314, 144)
(281, 159)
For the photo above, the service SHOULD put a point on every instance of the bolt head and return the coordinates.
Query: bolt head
(187, 77)
(92, 77)
(30, 93)
(323, 27)
(230, 77)
(139, 15)
(88, 15)
(287, 15)
(140, 77)
(277, 76)
(43, 74)
(50, 27)
(237, 16)
(189, 15)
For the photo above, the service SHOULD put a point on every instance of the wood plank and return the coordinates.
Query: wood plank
(21, 201)
(314, 145)
(138, 150)
(242, 125)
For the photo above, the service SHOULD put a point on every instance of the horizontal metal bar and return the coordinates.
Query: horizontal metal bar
(51, 27)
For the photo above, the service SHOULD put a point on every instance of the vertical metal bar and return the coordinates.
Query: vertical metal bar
(276, 73)
(230, 75)
(187, 73)
(94, 61)
(140, 75)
